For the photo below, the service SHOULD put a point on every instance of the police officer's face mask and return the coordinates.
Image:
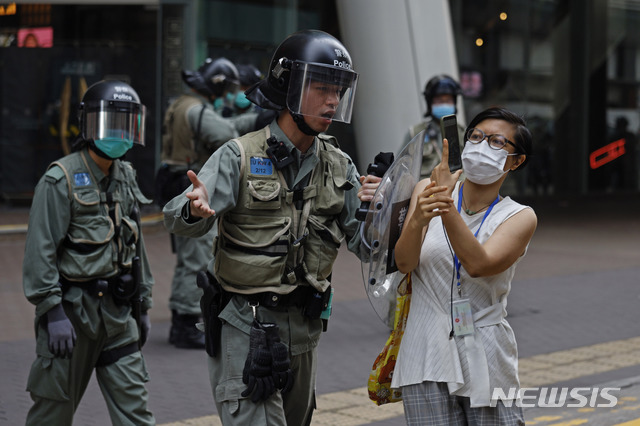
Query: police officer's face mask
(440, 110)
(241, 101)
(113, 147)
(218, 104)
(113, 126)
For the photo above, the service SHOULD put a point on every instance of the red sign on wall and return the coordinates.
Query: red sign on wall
(607, 153)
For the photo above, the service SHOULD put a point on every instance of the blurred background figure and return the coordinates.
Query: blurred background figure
(30, 40)
(624, 175)
(540, 173)
(249, 75)
(192, 131)
(441, 93)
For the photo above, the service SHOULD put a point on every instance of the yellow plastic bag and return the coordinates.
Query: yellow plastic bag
(379, 385)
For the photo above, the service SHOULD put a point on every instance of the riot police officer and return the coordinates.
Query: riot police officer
(192, 131)
(86, 269)
(440, 93)
(248, 75)
(284, 197)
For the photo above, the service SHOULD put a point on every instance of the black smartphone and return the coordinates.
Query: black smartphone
(449, 127)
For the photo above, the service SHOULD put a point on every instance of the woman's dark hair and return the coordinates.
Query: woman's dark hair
(523, 139)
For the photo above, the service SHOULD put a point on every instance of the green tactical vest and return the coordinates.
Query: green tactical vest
(264, 243)
(178, 139)
(98, 244)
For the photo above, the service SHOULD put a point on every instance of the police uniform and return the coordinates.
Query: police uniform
(81, 230)
(279, 232)
(432, 147)
(193, 131)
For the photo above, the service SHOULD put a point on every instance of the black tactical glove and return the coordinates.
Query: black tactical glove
(257, 369)
(281, 371)
(145, 326)
(62, 336)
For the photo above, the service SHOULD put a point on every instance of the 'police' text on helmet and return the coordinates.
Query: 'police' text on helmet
(302, 58)
(112, 109)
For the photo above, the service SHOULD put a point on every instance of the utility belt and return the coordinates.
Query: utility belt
(311, 301)
(314, 305)
(122, 288)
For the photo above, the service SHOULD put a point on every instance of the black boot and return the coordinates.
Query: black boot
(175, 327)
(184, 333)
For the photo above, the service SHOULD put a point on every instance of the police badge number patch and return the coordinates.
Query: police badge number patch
(261, 166)
(82, 179)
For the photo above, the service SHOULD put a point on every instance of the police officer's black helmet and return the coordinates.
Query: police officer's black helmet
(213, 77)
(440, 85)
(248, 74)
(112, 109)
(305, 56)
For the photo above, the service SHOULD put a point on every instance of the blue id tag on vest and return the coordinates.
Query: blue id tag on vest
(82, 179)
(261, 166)
(462, 318)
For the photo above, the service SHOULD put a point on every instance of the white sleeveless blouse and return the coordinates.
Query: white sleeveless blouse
(426, 352)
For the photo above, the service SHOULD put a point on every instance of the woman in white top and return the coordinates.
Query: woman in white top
(458, 361)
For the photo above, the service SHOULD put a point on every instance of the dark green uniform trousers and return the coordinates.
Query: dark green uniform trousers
(57, 385)
(225, 372)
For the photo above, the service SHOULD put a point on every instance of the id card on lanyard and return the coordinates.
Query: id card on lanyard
(462, 317)
(461, 313)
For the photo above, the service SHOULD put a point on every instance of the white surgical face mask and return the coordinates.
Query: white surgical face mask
(482, 164)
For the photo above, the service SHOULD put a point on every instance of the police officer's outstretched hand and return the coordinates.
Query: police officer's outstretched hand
(199, 197)
(282, 374)
(257, 368)
(62, 336)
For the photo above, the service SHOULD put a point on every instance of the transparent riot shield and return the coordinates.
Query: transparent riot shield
(382, 226)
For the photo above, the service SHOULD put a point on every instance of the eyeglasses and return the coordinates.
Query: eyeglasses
(495, 141)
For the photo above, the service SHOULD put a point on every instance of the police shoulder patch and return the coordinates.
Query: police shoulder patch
(54, 174)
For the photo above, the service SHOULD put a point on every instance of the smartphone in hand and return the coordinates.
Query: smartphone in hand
(449, 127)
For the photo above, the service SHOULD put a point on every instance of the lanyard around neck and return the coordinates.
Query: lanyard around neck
(455, 256)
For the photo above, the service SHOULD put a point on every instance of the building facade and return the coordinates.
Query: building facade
(571, 67)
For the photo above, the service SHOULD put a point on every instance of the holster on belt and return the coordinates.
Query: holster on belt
(316, 302)
(125, 287)
(212, 303)
(96, 288)
(312, 302)
(136, 301)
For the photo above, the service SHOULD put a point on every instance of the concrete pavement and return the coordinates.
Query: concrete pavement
(574, 309)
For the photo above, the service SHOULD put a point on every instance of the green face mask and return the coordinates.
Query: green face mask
(218, 103)
(241, 101)
(114, 147)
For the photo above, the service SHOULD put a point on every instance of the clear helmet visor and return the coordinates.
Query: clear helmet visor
(114, 120)
(319, 90)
